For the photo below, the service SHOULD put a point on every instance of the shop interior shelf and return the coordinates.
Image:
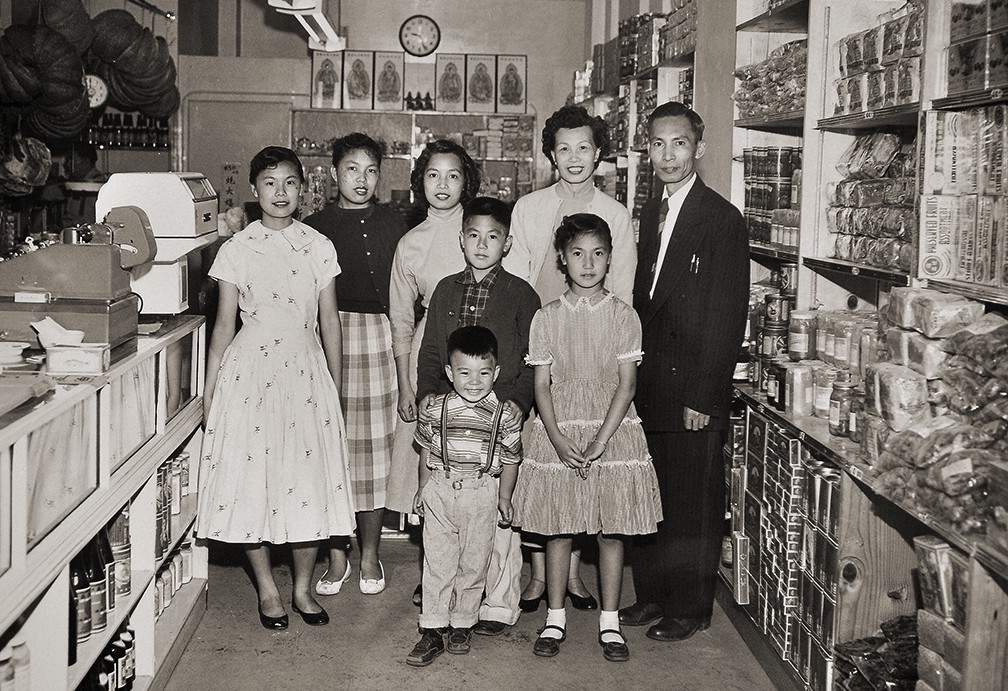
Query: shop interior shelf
(328, 155)
(787, 255)
(904, 115)
(785, 123)
(971, 99)
(176, 626)
(790, 16)
(180, 525)
(854, 269)
(843, 453)
(89, 650)
(988, 294)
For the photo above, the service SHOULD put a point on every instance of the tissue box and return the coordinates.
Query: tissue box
(86, 358)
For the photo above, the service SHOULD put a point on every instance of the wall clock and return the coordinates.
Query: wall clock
(419, 35)
(96, 89)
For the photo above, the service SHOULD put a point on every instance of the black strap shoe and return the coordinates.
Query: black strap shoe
(430, 645)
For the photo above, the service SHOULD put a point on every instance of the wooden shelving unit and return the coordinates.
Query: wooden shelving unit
(34, 589)
(894, 116)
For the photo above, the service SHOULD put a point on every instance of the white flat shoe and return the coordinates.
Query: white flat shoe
(325, 587)
(373, 586)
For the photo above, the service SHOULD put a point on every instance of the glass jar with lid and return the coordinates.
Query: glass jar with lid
(856, 414)
(802, 335)
(823, 377)
(839, 408)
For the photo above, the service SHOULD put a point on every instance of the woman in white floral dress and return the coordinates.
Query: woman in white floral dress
(274, 467)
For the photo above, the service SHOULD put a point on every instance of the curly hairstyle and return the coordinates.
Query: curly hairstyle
(572, 117)
(353, 142)
(271, 157)
(471, 177)
(574, 226)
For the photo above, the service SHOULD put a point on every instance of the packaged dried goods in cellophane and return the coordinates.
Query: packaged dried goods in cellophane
(869, 156)
(941, 315)
(984, 342)
(968, 19)
(897, 393)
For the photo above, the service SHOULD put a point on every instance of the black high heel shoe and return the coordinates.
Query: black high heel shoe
(532, 604)
(320, 618)
(273, 623)
(586, 602)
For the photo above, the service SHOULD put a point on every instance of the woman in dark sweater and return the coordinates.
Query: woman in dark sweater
(365, 235)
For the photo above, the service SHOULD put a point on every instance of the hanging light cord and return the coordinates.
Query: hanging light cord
(154, 8)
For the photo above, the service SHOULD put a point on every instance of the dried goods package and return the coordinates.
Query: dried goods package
(898, 345)
(926, 355)
(903, 396)
(932, 556)
(941, 315)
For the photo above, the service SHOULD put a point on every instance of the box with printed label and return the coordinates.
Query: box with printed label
(942, 214)
(999, 239)
(993, 134)
(965, 241)
(967, 66)
(990, 216)
(951, 152)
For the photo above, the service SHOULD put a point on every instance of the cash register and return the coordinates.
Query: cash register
(182, 208)
(83, 283)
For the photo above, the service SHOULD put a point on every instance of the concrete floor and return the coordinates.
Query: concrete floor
(365, 645)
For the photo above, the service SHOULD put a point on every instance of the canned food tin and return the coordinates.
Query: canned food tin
(789, 278)
(774, 341)
(777, 308)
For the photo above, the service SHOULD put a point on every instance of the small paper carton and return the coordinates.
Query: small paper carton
(942, 215)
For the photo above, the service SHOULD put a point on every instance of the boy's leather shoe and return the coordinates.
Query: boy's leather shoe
(671, 629)
(430, 645)
(641, 614)
(489, 627)
(459, 640)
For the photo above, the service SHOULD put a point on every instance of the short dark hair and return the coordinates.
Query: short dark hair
(580, 224)
(342, 146)
(474, 341)
(572, 117)
(675, 109)
(496, 209)
(470, 171)
(271, 157)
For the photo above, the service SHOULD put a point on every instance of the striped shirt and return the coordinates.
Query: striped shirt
(468, 436)
(475, 295)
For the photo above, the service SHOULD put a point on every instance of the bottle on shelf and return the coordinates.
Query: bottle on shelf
(95, 570)
(128, 131)
(119, 538)
(82, 598)
(72, 627)
(121, 657)
(117, 131)
(21, 662)
(108, 667)
(129, 640)
(6, 670)
(109, 562)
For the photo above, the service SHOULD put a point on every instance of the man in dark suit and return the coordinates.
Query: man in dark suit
(691, 292)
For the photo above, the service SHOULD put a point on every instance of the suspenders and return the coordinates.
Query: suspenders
(491, 445)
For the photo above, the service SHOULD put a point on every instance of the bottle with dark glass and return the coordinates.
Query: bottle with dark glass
(95, 570)
(120, 655)
(72, 629)
(128, 131)
(82, 598)
(108, 666)
(108, 560)
(117, 131)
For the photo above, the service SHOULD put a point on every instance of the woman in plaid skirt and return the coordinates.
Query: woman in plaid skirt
(365, 235)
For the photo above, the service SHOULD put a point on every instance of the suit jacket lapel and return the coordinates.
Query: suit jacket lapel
(686, 238)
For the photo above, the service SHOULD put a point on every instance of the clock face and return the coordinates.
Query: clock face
(419, 35)
(97, 90)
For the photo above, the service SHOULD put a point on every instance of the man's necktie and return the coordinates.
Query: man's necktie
(662, 214)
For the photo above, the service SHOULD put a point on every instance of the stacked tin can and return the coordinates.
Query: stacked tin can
(767, 174)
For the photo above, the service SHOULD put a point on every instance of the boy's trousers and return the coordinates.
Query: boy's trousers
(460, 517)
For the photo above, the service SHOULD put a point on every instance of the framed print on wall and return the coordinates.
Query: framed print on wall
(389, 80)
(327, 79)
(358, 79)
(449, 80)
(481, 89)
(512, 83)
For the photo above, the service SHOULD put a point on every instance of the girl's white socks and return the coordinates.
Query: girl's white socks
(556, 617)
(609, 621)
